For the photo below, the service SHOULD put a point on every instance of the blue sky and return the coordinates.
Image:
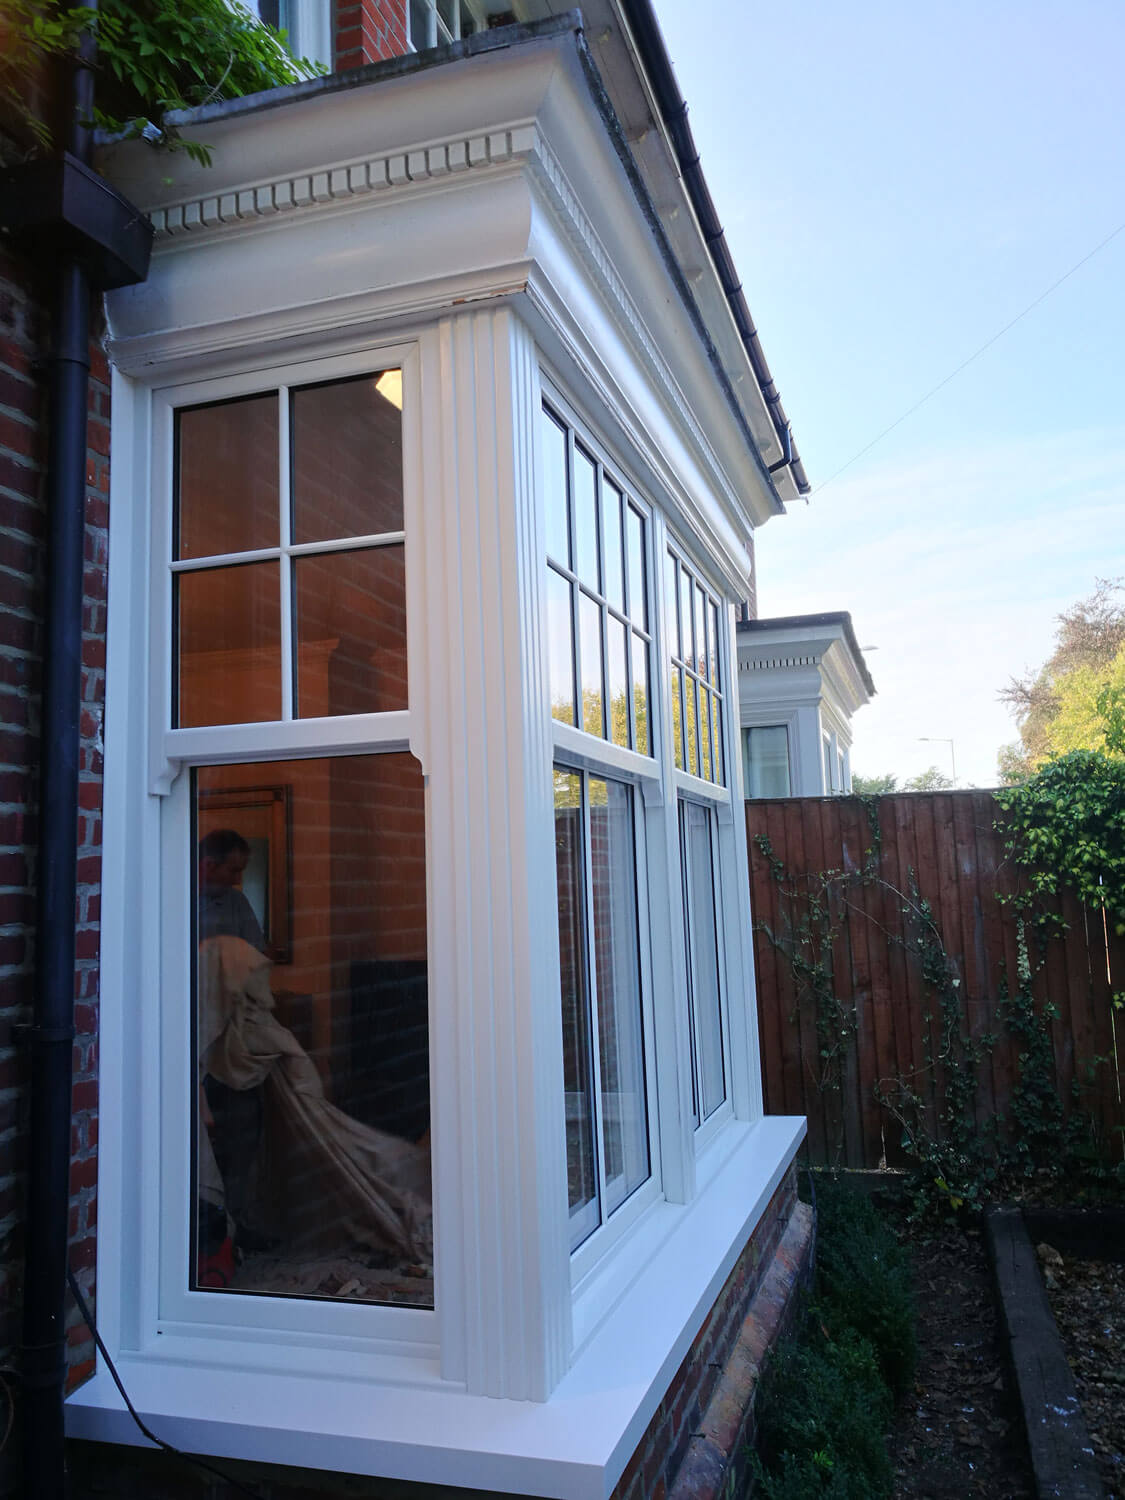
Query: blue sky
(897, 182)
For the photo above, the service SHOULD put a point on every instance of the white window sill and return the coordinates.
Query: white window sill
(573, 1446)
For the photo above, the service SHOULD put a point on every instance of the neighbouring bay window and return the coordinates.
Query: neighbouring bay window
(308, 948)
(765, 752)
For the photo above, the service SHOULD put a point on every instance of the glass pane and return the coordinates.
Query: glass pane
(611, 532)
(560, 646)
(635, 547)
(692, 728)
(554, 489)
(717, 738)
(447, 10)
(578, 1076)
(593, 689)
(640, 694)
(618, 683)
(705, 733)
(713, 646)
(347, 458)
(420, 25)
(678, 720)
(617, 968)
(686, 637)
(351, 632)
(586, 520)
(228, 631)
(700, 661)
(769, 761)
(227, 477)
(672, 604)
(311, 1062)
(704, 954)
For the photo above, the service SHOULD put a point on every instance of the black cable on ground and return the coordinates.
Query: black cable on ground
(187, 1458)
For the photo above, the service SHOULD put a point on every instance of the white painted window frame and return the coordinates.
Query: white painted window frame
(308, 24)
(607, 1229)
(176, 752)
(437, 33)
(746, 736)
(179, 1310)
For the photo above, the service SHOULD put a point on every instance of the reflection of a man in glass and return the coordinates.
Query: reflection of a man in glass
(223, 908)
(232, 1117)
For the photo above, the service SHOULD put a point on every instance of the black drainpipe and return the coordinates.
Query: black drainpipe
(62, 209)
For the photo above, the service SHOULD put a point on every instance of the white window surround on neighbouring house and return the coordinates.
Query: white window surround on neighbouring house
(804, 675)
(537, 1370)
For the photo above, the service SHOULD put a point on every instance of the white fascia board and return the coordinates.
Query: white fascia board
(574, 1446)
(402, 197)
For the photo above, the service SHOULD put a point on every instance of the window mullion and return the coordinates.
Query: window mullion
(284, 451)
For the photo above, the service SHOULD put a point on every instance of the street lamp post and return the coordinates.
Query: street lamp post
(930, 739)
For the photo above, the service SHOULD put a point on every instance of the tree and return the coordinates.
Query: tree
(930, 780)
(875, 786)
(1068, 703)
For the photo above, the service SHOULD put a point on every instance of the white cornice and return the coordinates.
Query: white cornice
(339, 182)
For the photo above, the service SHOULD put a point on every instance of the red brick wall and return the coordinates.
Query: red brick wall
(369, 31)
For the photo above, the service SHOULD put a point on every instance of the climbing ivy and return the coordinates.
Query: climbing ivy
(1064, 829)
(960, 1155)
(153, 57)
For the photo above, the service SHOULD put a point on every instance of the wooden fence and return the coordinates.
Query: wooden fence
(863, 936)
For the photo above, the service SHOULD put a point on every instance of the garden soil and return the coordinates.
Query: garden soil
(958, 1433)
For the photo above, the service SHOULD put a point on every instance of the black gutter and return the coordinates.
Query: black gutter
(61, 211)
(674, 111)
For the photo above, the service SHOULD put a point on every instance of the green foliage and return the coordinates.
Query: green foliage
(1064, 705)
(823, 1413)
(1065, 829)
(933, 779)
(875, 786)
(864, 1281)
(153, 57)
(825, 1402)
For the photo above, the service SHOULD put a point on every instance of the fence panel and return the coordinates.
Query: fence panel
(847, 916)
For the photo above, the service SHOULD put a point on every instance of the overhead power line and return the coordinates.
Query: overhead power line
(965, 363)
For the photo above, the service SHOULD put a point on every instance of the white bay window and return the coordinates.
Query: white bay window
(431, 1126)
